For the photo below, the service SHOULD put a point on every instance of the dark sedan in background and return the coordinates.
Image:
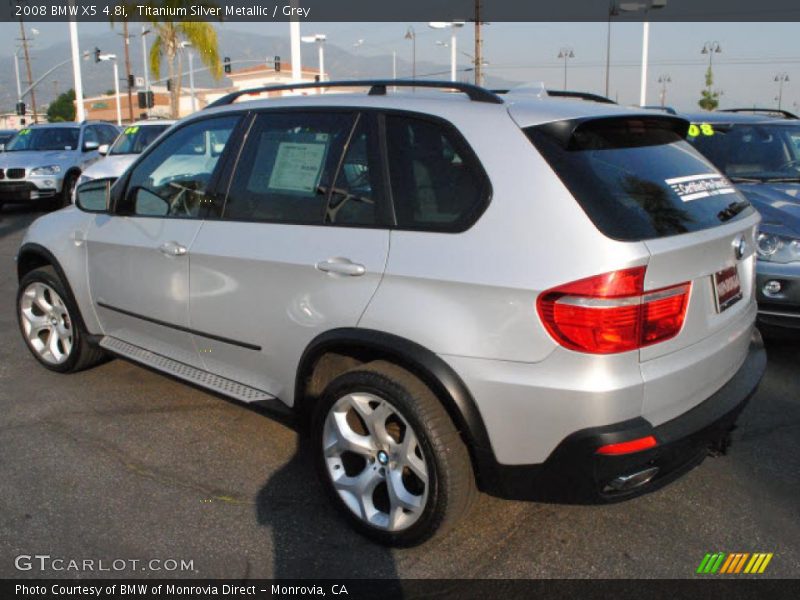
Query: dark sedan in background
(761, 155)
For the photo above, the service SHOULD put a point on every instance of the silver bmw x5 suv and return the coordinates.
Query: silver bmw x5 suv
(535, 298)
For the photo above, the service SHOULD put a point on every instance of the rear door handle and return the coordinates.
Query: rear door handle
(341, 266)
(172, 249)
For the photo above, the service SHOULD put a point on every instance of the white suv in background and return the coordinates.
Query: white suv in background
(540, 299)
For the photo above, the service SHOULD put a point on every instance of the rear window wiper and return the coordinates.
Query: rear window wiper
(733, 209)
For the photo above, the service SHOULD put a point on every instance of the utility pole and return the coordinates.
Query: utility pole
(128, 69)
(24, 40)
(478, 45)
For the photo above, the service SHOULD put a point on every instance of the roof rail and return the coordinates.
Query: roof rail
(783, 114)
(377, 88)
(589, 97)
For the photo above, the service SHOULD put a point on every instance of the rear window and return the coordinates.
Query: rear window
(636, 178)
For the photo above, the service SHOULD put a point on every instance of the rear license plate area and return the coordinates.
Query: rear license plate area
(727, 288)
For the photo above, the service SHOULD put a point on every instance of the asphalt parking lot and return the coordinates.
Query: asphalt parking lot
(119, 462)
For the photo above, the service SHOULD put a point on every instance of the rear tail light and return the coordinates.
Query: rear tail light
(611, 313)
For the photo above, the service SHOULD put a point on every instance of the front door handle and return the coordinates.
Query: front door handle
(172, 249)
(341, 266)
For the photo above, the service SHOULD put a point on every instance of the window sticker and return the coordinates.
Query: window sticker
(25, 132)
(298, 167)
(694, 187)
(131, 130)
(696, 129)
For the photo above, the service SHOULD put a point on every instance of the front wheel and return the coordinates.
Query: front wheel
(49, 324)
(389, 455)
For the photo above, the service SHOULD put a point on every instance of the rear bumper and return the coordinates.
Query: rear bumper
(781, 309)
(575, 473)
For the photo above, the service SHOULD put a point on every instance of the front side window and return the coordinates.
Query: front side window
(44, 138)
(436, 185)
(306, 168)
(172, 180)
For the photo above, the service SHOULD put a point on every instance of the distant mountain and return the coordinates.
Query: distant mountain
(244, 49)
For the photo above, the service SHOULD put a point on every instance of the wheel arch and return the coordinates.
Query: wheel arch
(33, 256)
(449, 388)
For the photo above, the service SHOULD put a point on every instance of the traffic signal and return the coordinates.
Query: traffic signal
(226, 62)
(146, 99)
(277, 63)
(131, 81)
(169, 85)
(96, 54)
(21, 109)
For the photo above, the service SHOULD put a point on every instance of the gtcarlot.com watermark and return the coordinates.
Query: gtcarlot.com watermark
(46, 563)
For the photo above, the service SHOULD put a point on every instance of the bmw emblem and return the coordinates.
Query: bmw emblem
(739, 247)
(383, 458)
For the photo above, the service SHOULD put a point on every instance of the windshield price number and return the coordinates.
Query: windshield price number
(696, 129)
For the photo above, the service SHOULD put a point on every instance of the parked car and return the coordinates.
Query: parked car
(130, 144)
(761, 155)
(5, 135)
(456, 292)
(43, 162)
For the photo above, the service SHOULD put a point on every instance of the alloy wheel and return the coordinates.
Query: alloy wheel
(46, 323)
(375, 461)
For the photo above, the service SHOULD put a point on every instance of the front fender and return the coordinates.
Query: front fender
(59, 239)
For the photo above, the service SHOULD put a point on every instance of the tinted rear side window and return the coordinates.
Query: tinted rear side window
(437, 182)
(638, 180)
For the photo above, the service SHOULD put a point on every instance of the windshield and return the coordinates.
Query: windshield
(762, 151)
(44, 138)
(136, 138)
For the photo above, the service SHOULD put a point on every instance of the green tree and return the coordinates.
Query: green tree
(62, 108)
(167, 46)
(709, 99)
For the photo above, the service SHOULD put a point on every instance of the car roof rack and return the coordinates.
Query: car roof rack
(775, 112)
(377, 87)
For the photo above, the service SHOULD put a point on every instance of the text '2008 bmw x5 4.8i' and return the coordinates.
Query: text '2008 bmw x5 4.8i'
(535, 298)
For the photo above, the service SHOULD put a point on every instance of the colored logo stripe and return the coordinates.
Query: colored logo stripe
(734, 563)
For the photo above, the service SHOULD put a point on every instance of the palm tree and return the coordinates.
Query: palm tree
(167, 45)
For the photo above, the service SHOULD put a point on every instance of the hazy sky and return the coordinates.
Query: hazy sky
(753, 53)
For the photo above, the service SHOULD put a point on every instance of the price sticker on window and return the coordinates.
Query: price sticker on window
(697, 129)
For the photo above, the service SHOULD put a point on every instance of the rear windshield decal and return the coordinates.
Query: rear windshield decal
(694, 187)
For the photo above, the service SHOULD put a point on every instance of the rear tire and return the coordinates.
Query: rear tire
(389, 455)
(51, 326)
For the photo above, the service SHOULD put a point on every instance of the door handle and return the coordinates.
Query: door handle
(341, 266)
(172, 249)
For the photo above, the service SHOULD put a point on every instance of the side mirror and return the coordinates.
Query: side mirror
(103, 149)
(90, 145)
(94, 196)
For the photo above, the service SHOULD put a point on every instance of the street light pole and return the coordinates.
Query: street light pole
(411, 35)
(80, 110)
(16, 71)
(453, 26)
(566, 53)
(711, 48)
(781, 78)
(183, 46)
(645, 47)
(116, 92)
(664, 80)
(319, 40)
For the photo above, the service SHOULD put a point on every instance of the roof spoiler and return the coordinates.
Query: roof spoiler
(567, 132)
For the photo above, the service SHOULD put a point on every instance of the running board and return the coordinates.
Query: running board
(221, 385)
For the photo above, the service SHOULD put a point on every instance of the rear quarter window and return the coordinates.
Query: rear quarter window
(637, 179)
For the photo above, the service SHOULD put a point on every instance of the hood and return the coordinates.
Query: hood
(30, 159)
(113, 165)
(779, 204)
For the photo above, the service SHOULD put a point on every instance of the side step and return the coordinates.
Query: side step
(221, 385)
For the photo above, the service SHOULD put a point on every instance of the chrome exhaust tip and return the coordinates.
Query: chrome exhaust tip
(628, 482)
